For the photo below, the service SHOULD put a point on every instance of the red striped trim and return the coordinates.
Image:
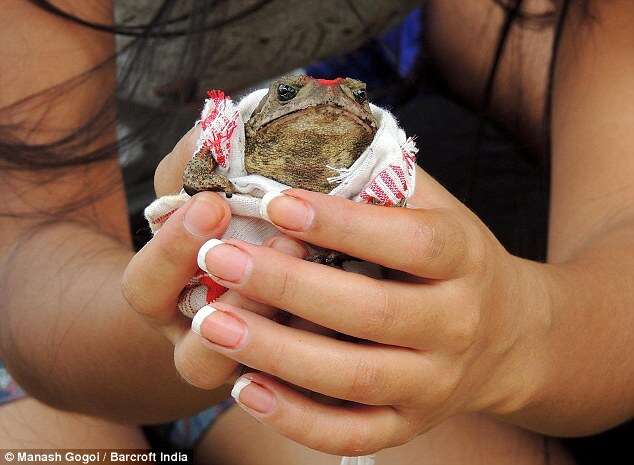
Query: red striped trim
(163, 218)
(219, 141)
(380, 195)
(219, 98)
(389, 182)
(388, 187)
(401, 176)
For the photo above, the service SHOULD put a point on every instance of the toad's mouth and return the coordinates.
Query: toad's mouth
(367, 123)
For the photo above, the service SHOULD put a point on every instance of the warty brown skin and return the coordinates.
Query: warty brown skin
(299, 141)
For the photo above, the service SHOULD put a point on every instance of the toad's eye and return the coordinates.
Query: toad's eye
(360, 95)
(286, 92)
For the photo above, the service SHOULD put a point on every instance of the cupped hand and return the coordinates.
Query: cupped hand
(456, 330)
(156, 275)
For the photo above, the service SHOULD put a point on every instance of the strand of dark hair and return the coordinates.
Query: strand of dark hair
(512, 12)
(147, 30)
(136, 58)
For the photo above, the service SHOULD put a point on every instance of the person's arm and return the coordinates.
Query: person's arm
(66, 333)
(591, 234)
(452, 27)
(469, 327)
(592, 197)
(588, 350)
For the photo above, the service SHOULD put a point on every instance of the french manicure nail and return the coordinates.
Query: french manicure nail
(289, 213)
(219, 327)
(264, 203)
(202, 217)
(253, 395)
(223, 260)
(200, 317)
(202, 253)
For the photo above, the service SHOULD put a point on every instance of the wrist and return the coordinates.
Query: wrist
(520, 379)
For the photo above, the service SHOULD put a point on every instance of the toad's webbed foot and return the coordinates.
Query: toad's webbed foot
(328, 258)
(200, 176)
(215, 183)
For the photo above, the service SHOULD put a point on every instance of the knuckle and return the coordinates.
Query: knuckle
(434, 236)
(276, 356)
(172, 247)
(430, 241)
(366, 381)
(133, 295)
(424, 243)
(461, 331)
(380, 314)
(457, 245)
(445, 388)
(193, 369)
(344, 224)
(284, 287)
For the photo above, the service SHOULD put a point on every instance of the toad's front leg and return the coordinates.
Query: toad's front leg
(200, 176)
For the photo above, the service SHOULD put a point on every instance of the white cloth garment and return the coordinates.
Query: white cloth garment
(383, 174)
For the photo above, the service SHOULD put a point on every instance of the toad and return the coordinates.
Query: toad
(304, 132)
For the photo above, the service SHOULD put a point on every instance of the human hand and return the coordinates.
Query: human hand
(458, 330)
(156, 275)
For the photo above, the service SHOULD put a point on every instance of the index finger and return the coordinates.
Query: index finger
(430, 243)
(155, 276)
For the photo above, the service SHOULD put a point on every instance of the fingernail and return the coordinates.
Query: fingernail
(223, 260)
(288, 212)
(202, 253)
(264, 203)
(289, 247)
(202, 217)
(219, 327)
(253, 395)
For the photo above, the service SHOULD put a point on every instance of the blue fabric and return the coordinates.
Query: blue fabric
(402, 43)
(185, 433)
(9, 390)
(382, 62)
